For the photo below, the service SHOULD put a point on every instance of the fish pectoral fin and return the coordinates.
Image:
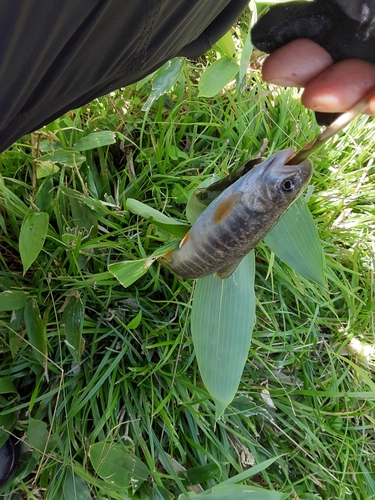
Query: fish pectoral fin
(225, 206)
(227, 271)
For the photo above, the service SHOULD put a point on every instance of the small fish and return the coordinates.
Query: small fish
(239, 218)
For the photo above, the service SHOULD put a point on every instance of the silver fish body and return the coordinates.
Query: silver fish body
(239, 218)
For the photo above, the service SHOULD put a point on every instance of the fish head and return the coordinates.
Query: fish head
(277, 184)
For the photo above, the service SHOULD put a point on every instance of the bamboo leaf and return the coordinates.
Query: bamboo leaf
(36, 331)
(241, 492)
(7, 386)
(295, 240)
(165, 79)
(74, 487)
(95, 140)
(72, 320)
(116, 465)
(226, 45)
(32, 236)
(129, 271)
(222, 320)
(69, 156)
(12, 300)
(37, 434)
(216, 76)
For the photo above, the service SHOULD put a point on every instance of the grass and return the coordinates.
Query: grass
(306, 398)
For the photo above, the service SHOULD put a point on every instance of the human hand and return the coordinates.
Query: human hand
(325, 46)
(329, 87)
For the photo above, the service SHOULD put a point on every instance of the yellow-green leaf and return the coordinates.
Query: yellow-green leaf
(45, 168)
(226, 45)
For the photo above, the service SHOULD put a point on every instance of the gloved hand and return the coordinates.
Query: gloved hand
(345, 28)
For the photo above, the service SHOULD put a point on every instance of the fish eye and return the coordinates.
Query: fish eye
(287, 185)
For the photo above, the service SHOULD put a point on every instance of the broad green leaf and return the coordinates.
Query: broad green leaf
(7, 386)
(226, 45)
(223, 315)
(36, 331)
(84, 217)
(165, 79)
(12, 300)
(216, 76)
(295, 240)
(175, 153)
(7, 423)
(44, 196)
(241, 492)
(95, 140)
(74, 487)
(37, 434)
(116, 465)
(69, 156)
(169, 224)
(72, 319)
(32, 235)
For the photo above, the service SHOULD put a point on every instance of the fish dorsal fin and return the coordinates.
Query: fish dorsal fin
(226, 206)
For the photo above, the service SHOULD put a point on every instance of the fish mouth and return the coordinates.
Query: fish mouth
(280, 164)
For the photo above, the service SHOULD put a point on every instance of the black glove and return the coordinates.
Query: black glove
(345, 28)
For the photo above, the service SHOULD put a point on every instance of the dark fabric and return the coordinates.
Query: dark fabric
(59, 55)
(345, 28)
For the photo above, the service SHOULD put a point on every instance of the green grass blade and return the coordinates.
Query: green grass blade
(32, 236)
(295, 240)
(222, 320)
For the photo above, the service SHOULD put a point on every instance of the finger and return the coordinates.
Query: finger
(296, 64)
(341, 86)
